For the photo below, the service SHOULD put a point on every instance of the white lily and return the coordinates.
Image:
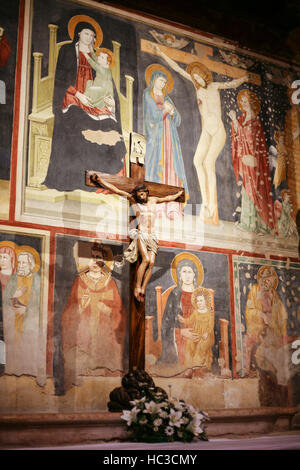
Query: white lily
(192, 410)
(198, 430)
(195, 429)
(175, 418)
(201, 417)
(176, 403)
(130, 415)
(152, 407)
(137, 401)
(197, 421)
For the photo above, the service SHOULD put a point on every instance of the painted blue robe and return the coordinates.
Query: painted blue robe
(154, 132)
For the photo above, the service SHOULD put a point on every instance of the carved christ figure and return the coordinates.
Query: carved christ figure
(144, 240)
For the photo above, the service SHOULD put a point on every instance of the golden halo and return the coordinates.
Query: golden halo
(203, 71)
(109, 53)
(29, 249)
(273, 273)
(206, 293)
(87, 19)
(169, 36)
(253, 100)
(12, 245)
(152, 68)
(191, 257)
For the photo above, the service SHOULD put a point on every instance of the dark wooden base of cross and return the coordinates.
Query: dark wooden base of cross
(137, 309)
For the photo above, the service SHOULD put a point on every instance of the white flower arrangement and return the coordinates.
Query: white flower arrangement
(167, 420)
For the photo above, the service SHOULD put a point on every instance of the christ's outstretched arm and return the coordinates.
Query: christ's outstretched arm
(170, 61)
(96, 179)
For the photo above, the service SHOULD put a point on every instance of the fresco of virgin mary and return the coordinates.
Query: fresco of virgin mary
(75, 114)
(163, 159)
(187, 273)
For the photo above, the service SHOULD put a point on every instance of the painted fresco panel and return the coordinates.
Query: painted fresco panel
(267, 323)
(23, 305)
(188, 328)
(78, 129)
(234, 161)
(224, 134)
(90, 312)
(70, 127)
(9, 14)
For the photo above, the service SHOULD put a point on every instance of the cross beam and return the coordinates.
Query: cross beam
(205, 57)
(127, 184)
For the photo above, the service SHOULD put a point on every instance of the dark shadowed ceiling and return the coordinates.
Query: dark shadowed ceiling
(271, 28)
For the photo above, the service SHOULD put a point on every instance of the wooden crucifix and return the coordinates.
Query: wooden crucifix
(141, 253)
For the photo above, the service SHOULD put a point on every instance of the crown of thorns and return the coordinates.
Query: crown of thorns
(139, 188)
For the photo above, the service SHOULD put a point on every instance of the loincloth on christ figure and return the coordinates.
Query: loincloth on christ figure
(149, 239)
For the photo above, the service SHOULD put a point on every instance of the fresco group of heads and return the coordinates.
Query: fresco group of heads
(22, 260)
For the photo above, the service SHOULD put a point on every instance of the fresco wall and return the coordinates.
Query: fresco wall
(9, 12)
(222, 306)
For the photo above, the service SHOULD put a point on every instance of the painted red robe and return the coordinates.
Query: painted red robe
(84, 73)
(93, 329)
(249, 139)
(5, 51)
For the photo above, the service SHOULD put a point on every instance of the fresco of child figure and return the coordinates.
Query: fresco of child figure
(201, 321)
(286, 225)
(100, 90)
(281, 159)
